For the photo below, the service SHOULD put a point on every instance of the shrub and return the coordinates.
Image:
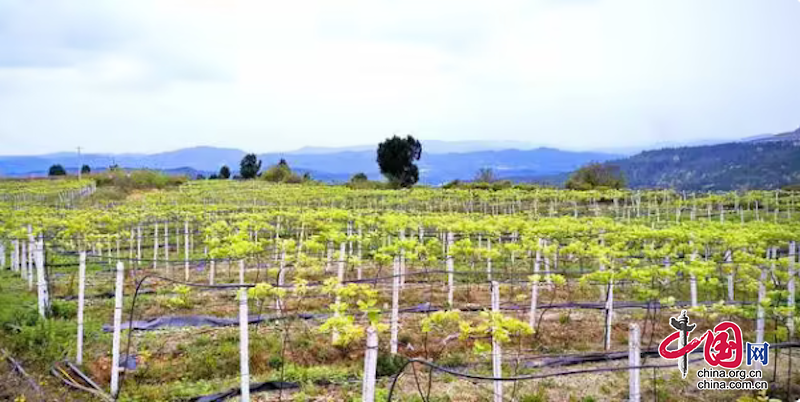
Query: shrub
(63, 309)
(128, 181)
(389, 364)
(596, 176)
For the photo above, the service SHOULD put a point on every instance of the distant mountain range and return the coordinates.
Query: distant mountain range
(332, 165)
(765, 161)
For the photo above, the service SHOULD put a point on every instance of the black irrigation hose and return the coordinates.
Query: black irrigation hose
(475, 377)
(621, 356)
(133, 308)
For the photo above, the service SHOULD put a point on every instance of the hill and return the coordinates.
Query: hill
(740, 165)
(790, 136)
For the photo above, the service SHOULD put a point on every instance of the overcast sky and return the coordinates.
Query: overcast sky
(261, 75)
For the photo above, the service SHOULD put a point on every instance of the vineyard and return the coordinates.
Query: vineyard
(215, 290)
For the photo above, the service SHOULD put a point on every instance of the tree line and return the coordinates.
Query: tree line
(396, 157)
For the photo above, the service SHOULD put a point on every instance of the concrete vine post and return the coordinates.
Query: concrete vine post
(395, 305)
(341, 262)
(729, 263)
(402, 260)
(281, 279)
(115, 345)
(489, 258)
(534, 294)
(81, 297)
(41, 278)
(693, 280)
(166, 249)
(449, 260)
(155, 245)
(370, 365)
(24, 265)
(609, 315)
(138, 244)
(760, 313)
(359, 251)
(634, 360)
(186, 250)
(30, 257)
(15, 265)
(244, 342)
(497, 351)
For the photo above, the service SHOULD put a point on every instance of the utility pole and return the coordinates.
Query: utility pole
(80, 165)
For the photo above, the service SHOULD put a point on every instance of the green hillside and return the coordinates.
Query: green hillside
(732, 166)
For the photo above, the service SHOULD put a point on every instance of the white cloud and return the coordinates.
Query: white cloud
(268, 75)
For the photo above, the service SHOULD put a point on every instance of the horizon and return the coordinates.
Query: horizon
(314, 150)
(158, 75)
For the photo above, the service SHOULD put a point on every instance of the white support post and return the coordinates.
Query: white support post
(115, 346)
(41, 278)
(729, 263)
(244, 348)
(450, 288)
(329, 256)
(693, 281)
(762, 293)
(138, 244)
(340, 263)
(26, 272)
(359, 251)
(281, 279)
(402, 261)
(81, 296)
(30, 257)
(370, 365)
(609, 315)
(534, 296)
(350, 238)
(186, 250)
(166, 249)
(15, 255)
(395, 305)
(2, 254)
(277, 238)
(155, 245)
(634, 360)
(497, 352)
(489, 259)
(791, 288)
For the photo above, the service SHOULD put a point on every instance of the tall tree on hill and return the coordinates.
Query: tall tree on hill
(85, 169)
(224, 172)
(396, 158)
(249, 166)
(57, 170)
